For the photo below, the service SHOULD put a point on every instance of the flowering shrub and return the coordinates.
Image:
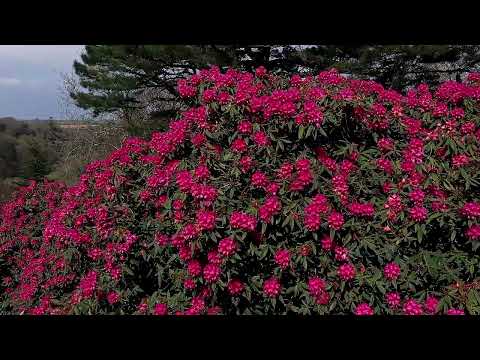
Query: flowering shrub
(267, 195)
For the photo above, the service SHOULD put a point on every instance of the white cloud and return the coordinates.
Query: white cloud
(30, 78)
(54, 56)
(8, 81)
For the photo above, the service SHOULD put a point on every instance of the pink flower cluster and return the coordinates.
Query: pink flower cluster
(282, 258)
(227, 247)
(363, 309)
(244, 221)
(360, 209)
(270, 207)
(317, 289)
(313, 212)
(271, 287)
(391, 271)
(346, 272)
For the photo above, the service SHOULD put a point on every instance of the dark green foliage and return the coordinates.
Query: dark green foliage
(28, 150)
(35, 159)
(397, 66)
(8, 155)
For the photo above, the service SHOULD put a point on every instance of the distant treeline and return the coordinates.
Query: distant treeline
(35, 149)
(28, 149)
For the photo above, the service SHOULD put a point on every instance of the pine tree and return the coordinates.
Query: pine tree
(118, 77)
(397, 66)
(114, 77)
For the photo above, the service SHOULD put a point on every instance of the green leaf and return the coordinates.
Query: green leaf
(473, 302)
(301, 131)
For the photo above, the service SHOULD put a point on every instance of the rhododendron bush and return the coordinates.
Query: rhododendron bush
(267, 195)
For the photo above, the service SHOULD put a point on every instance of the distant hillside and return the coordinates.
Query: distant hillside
(28, 150)
(56, 149)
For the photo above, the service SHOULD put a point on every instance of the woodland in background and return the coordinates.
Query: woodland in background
(57, 150)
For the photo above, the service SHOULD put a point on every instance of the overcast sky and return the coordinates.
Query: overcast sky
(31, 78)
